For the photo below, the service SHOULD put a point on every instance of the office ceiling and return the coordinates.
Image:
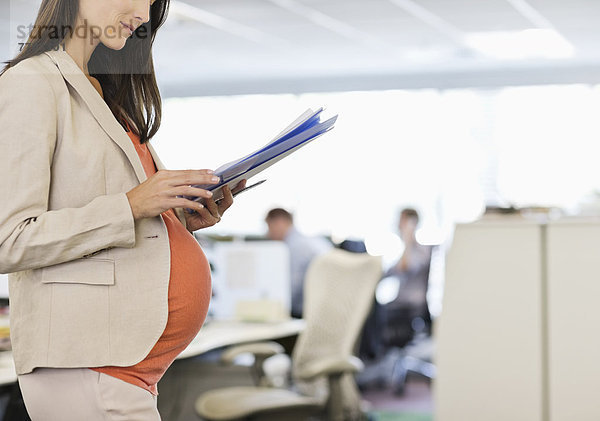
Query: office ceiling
(214, 47)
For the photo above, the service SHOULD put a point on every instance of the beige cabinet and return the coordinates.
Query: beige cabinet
(574, 320)
(518, 334)
(490, 332)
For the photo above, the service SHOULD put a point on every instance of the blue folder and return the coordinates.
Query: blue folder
(300, 132)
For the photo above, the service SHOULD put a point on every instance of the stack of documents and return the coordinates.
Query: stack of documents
(300, 132)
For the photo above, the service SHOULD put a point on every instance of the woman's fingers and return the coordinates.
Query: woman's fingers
(191, 177)
(208, 218)
(165, 188)
(240, 186)
(212, 211)
(213, 208)
(227, 200)
(192, 191)
(181, 202)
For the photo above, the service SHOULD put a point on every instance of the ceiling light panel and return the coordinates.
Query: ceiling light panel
(478, 15)
(577, 20)
(258, 13)
(356, 11)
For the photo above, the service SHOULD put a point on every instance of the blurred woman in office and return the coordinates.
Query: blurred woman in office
(107, 282)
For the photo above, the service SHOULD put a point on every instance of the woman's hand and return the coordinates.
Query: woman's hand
(212, 212)
(159, 192)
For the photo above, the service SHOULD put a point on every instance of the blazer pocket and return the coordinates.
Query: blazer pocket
(91, 271)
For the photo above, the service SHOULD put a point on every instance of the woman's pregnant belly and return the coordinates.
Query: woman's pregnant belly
(189, 297)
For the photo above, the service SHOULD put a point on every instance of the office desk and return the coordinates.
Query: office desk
(214, 334)
(8, 374)
(219, 333)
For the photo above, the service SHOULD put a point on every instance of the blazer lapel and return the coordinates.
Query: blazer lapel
(179, 212)
(104, 116)
(157, 161)
(99, 109)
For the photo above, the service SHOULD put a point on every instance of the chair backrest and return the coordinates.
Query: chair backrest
(409, 307)
(338, 294)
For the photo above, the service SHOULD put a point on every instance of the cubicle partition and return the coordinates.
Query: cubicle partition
(573, 263)
(517, 334)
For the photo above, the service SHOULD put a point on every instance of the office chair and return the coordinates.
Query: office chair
(397, 336)
(339, 289)
(409, 333)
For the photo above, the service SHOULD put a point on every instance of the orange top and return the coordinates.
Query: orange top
(189, 296)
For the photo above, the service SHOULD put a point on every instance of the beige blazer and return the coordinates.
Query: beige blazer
(88, 285)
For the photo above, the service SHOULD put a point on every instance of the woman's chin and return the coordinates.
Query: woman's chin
(115, 43)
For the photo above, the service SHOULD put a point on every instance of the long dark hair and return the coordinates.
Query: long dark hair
(126, 75)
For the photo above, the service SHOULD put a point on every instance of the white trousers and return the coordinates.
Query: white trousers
(78, 394)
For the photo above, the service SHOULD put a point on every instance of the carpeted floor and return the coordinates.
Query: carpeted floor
(187, 379)
(417, 398)
(394, 416)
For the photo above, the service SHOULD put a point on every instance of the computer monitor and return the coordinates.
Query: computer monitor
(251, 280)
(3, 286)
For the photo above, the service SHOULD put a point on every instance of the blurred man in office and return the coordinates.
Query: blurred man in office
(303, 249)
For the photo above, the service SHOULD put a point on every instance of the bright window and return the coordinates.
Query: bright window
(447, 153)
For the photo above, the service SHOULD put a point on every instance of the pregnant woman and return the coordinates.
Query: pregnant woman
(107, 282)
